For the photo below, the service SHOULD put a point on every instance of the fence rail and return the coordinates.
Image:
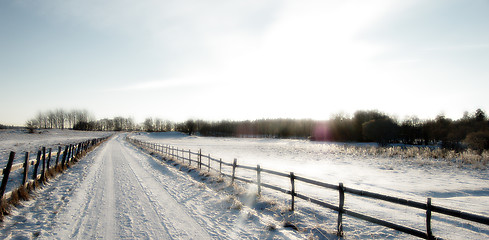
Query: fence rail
(43, 161)
(186, 156)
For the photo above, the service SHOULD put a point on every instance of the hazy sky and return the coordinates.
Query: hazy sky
(243, 59)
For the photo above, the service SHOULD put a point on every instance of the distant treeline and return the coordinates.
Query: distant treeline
(79, 120)
(472, 130)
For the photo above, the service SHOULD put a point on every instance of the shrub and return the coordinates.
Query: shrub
(478, 141)
(381, 131)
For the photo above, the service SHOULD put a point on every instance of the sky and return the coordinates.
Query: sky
(243, 60)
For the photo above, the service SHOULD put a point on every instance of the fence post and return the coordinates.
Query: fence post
(36, 167)
(341, 191)
(70, 148)
(189, 158)
(258, 178)
(49, 159)
(429, 234)
(200, 158)
(78, 150)
(68, 155)
(235, 163)
(6, 172)
(65, 153)
(43, 170)
(57, 157)
(26, 169)
(292, 193)
(209, 163)
(220, 165)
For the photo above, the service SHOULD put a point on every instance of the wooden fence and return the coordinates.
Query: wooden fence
(199, 159)
(46, 159)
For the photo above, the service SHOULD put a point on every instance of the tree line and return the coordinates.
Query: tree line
(59, 119)
(79, 120)
(472, 130)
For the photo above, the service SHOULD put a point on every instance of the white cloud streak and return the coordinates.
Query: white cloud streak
(154, 85)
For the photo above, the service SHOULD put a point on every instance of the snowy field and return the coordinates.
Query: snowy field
(20, 141)
(120, 192)
(459, 187)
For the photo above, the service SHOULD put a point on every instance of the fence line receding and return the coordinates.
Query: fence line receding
(46, 159)
(189, 157)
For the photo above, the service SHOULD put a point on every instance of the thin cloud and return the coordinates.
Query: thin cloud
(459, 47)
(156, 85)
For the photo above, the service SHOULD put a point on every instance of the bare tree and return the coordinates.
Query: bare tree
(51, 119)
(61, 118)
(41, 120)
(158, 123)
(32, 125)
(148, 125)
(71, 117)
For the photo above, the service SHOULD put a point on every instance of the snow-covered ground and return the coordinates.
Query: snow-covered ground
(20, 142)
(459, 187)
(120, 192)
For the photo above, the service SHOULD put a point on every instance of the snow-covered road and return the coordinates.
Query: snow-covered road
(121, 199)
(120, 192)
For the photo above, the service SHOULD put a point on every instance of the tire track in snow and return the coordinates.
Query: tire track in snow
(119, 199)
(171, 214)
(109, 184)
(92, 201)
(137, 218)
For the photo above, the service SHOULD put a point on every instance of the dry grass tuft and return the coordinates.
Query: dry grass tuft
(4, 209)
(14, 198)
(18, 195)
(23, 193)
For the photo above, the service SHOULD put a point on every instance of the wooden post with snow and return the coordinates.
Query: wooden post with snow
(36, 166)
(209, 163)
(235, 163)
(258, 178)
(43, 170)
(78, 150)
(65, 154)
(26, 169)
(57, 156)
(49, 159)
(220, 165)
(339, 227)
(429, 233)
(70, 154)
(200, 158)
(6, 173)
(292, 192)
(72, 149)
